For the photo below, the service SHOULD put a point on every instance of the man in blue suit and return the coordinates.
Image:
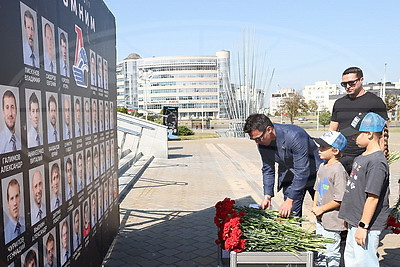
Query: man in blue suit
(297, 157)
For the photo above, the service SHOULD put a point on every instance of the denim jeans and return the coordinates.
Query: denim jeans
(331, 255)
(358, 256)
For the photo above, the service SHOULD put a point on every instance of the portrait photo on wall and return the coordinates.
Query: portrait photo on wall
(93, 65)
(55, 185)
(115, 186)
(110, 190)
(102, 158)
(69, 177)
(13, 207)
(50, 248)
(112, 152)
(37, 192)
(33, 100)
(53, 134)
(100, 202)
(31, 256)
(63, 52)
(49, 53)
(101, 115)
(10, 123)
(80, 178)
(96, 162)
(106, 115)
(95, 122)
(105, 71)
(67, 125)
(29, 31)
(105, 191)
(108, 156)
(99, 71)
(78, 107)
(86, 216)
(89, 164)
(65, 252)
(76, 230)
(111, 115)
(88, 120)
(93, 206)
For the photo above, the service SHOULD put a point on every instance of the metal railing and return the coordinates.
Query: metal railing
(126, 119)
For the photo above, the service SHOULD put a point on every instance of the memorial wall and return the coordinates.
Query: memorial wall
(58, 146)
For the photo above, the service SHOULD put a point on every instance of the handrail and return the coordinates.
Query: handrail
(129, 131)
(128, 120)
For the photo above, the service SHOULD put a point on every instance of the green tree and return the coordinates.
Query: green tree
(312, 106)
(324, 117)
(122, 110)
(293, 106)
(391, 101)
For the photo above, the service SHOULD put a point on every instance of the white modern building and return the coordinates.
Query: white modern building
(320, 93)
(126, 72)
(277, 98)
(195, 84)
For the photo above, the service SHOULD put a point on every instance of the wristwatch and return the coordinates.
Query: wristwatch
(267, 197)
(363, 225)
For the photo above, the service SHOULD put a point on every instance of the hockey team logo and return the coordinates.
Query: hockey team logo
(80, 67)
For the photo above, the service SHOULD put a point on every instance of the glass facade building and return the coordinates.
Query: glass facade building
(193, 84)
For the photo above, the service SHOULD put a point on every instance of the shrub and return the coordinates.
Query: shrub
(184, 130)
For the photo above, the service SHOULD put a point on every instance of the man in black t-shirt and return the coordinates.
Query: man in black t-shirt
(357, 100)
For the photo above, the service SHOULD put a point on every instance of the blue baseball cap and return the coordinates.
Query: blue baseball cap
(365, 122)
(333, 139)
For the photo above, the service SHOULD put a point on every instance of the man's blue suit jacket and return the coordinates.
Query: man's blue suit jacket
(297, 157)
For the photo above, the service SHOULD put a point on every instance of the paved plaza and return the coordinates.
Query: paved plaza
(167, 217)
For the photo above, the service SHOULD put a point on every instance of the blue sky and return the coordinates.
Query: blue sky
(304, 41)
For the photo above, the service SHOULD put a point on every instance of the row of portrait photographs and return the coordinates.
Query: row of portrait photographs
(40, 206)
(95, 120)
(29, 27)
(73, 228)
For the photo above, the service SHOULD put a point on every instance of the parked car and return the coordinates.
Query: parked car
(302, 119)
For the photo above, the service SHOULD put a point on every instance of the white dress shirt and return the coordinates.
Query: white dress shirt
(6, 143)
(34, 137)
(31, 58)
(51, 136)
(10, 231)
(38, 213)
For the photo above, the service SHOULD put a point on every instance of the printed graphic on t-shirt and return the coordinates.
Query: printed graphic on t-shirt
(323, 187)
(353, 175)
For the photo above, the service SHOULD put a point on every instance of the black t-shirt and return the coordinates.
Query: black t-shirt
(346, 108)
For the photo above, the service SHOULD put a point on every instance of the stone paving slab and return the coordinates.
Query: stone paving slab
(167, 217)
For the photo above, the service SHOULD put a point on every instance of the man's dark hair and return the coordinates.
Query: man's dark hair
(28, 14)
(355, 70)
(257, 122)
(69, 161)
(63, 38)
(8, 93)
(33, 99)
(47, 25)
(55, 167)
(77, 102)
(52, 99)
(31, 256)
(50, 238)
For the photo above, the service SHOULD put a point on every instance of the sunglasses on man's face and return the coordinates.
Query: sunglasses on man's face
(258, 139)
(351, 83)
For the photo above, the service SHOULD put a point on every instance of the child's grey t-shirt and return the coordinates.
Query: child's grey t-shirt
(330, 185)
(369, 174)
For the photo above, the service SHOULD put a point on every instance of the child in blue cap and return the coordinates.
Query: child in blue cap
(365, 205)
(329, 189)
